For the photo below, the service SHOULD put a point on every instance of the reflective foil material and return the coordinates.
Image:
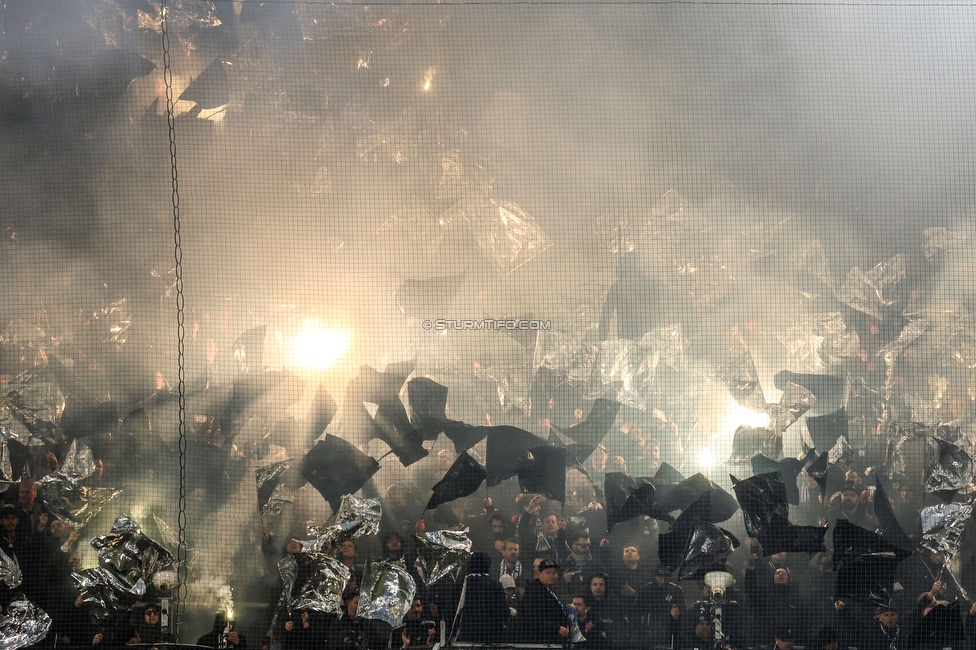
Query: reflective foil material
(864, 291)
(796, 401)
(320, 579)
(441, 553)
(23, 624)
(10, 571)
(129, 553)
(386, 593)
(108, 597)
(79, 462)
(951, 467)
(70, 501)
(571, 358)
(942, 527)
(359, 517)
(743, 382)
(267, 480)
(507, 235)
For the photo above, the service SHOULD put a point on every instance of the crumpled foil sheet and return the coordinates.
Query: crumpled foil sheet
(619, 365)
(113, 322)
(819, 342)
(939, 241)
(841, 453)
(508, 236)
(79, 462)
(663, 345)
(359, 517)
(942, 526)
(386, 593)
(891, 352)
(513, 385)
(131, 554)
(10, 573)
(267, 478)
(108, 596)
(23, 624)
(864, 291)
(182, 14)
(280, 497)
(571, 358)
(961, 343)
(314, 580)
(813, 260)
(743, 381)
(951, 467)
(441, 553)
(30, 408)
(70, 501)
(796, 401)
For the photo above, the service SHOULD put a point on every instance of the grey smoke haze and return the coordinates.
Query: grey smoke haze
(321, 188)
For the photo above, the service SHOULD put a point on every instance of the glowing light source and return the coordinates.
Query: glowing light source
(736, 415)
(317, 347)
(706, 458)
(429, 77)
(230, 613)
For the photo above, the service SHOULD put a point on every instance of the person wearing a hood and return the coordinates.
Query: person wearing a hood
(776, 602)
(482, 612)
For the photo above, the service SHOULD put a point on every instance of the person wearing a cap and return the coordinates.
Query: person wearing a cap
(543, 617)
(882, 631)
(783, 638)
(658, 611)
(511, 596)
(849, 506)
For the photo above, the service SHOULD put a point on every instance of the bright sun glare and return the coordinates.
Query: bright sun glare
(317, 347)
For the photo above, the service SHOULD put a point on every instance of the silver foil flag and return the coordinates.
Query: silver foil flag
(441, 553)
(69, 500)
(386, 593)
(23, 624)
(942, 527)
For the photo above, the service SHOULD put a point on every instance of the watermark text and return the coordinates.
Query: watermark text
(491, 324)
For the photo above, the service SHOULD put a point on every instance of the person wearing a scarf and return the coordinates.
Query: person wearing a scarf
(883, 632)
(482, 613)
(543, 617)
(510, 564)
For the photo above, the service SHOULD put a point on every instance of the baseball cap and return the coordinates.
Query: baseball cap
(784, 633)
(508, 582)
(8, 509)
(548, 564)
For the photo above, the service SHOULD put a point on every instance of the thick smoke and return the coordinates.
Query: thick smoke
(354, 147)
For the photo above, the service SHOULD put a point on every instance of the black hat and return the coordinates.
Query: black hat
(886, 608)
(8, 509)
(548, 564)
(785, 633)
(850, 487)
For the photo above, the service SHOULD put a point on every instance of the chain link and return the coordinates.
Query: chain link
(181, 570)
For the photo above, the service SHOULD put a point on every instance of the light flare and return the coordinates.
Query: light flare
(318, 346)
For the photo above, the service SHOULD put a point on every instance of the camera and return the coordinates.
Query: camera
(165, 582)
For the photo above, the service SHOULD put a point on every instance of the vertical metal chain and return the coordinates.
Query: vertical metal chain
(181, 571)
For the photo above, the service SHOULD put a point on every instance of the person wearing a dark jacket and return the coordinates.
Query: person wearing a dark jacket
(416, 631)
(543, 617)
(147, 630)
(223, 634)
(351, 632)
(482, 612)
(658, 612)
(883, 631)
